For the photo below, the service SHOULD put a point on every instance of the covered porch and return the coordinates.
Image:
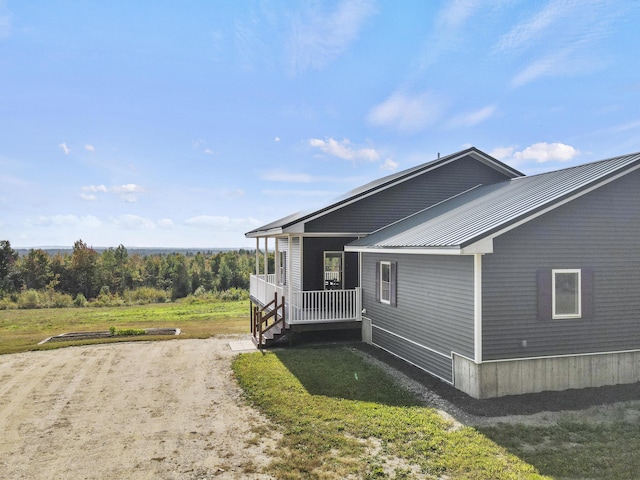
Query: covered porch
(330, 305)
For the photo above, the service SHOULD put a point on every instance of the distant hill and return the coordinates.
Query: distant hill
(142, 251)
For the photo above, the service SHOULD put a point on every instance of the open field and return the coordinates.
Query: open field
(21, 330)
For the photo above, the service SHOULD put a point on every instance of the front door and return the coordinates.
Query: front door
(333, 270)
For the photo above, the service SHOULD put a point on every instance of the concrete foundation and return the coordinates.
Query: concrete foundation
(367, 335)
(515, 377)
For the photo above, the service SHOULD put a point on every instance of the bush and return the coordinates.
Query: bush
(29, 299)
(233, 294)
(143, 295)
(59, 300)
(7, 304)
(80, 300)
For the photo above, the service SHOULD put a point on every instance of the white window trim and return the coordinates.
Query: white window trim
(553, 293)
(382, 299)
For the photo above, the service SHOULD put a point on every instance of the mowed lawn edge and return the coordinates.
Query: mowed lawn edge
(21, 330)
(340, 416)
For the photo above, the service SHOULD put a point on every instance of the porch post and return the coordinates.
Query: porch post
(257, 256)
(276, 258)
(266, 256)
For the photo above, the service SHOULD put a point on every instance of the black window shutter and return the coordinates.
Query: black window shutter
(588, 293)
(393, 274)
(377, 281)
(544, 294)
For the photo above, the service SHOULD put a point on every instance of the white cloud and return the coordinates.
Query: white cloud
(95, 188)
(473, 118)
(69, 220)
(565, 38)
(232, 194)
(166, 223)
(530, 31)
(389, 164)
(128, 192)
(64, 148)
(407, 113)
(538, 152)
(208, 151)
(317, 38)
(448, 32)
(344, 150)
(89, 148)
(5, 21)
(89, 197)
(220, 222)
(554, 64)
(277, 139)
(134, 222)
(300, 193)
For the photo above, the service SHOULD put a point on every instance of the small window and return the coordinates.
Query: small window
(566, 294)
(385, 282)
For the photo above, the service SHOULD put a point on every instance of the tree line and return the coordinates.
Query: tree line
(91, 274)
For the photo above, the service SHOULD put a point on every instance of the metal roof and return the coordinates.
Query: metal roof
(485, 210)
(376, 185)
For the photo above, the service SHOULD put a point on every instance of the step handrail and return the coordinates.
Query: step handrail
(260, 323)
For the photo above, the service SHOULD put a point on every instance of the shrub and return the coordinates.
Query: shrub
(29, 299)
(80, 300)
(144, 295)
(7, 304)
(59, 300)
(234, 294)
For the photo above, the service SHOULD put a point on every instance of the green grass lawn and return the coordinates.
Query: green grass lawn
(576, 449)
(341, 416)
(21, 330)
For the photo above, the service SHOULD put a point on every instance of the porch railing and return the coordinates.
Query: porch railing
(324, 306)
(263, 287)
(317, 306)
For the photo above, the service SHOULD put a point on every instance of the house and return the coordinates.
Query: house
(315, 283)
(512, 284)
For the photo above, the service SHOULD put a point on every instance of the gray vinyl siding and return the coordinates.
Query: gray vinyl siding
(434, 311)
(599, 231)
(394, 203)
(313, 262)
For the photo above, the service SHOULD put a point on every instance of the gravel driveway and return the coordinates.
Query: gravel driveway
(140, 410)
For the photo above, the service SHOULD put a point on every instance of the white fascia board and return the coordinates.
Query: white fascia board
(406, 250)
(264, 233)
(484, 245)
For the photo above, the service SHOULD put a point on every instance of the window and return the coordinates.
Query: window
(385, 282)
(566, 293)
(386, 273)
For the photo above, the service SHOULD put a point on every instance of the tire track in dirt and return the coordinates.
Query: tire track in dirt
(158, 410)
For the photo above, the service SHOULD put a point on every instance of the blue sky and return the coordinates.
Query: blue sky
(186, 124)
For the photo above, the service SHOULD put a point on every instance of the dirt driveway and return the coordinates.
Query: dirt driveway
(144, 410)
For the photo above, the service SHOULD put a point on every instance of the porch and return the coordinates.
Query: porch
(308, 307)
